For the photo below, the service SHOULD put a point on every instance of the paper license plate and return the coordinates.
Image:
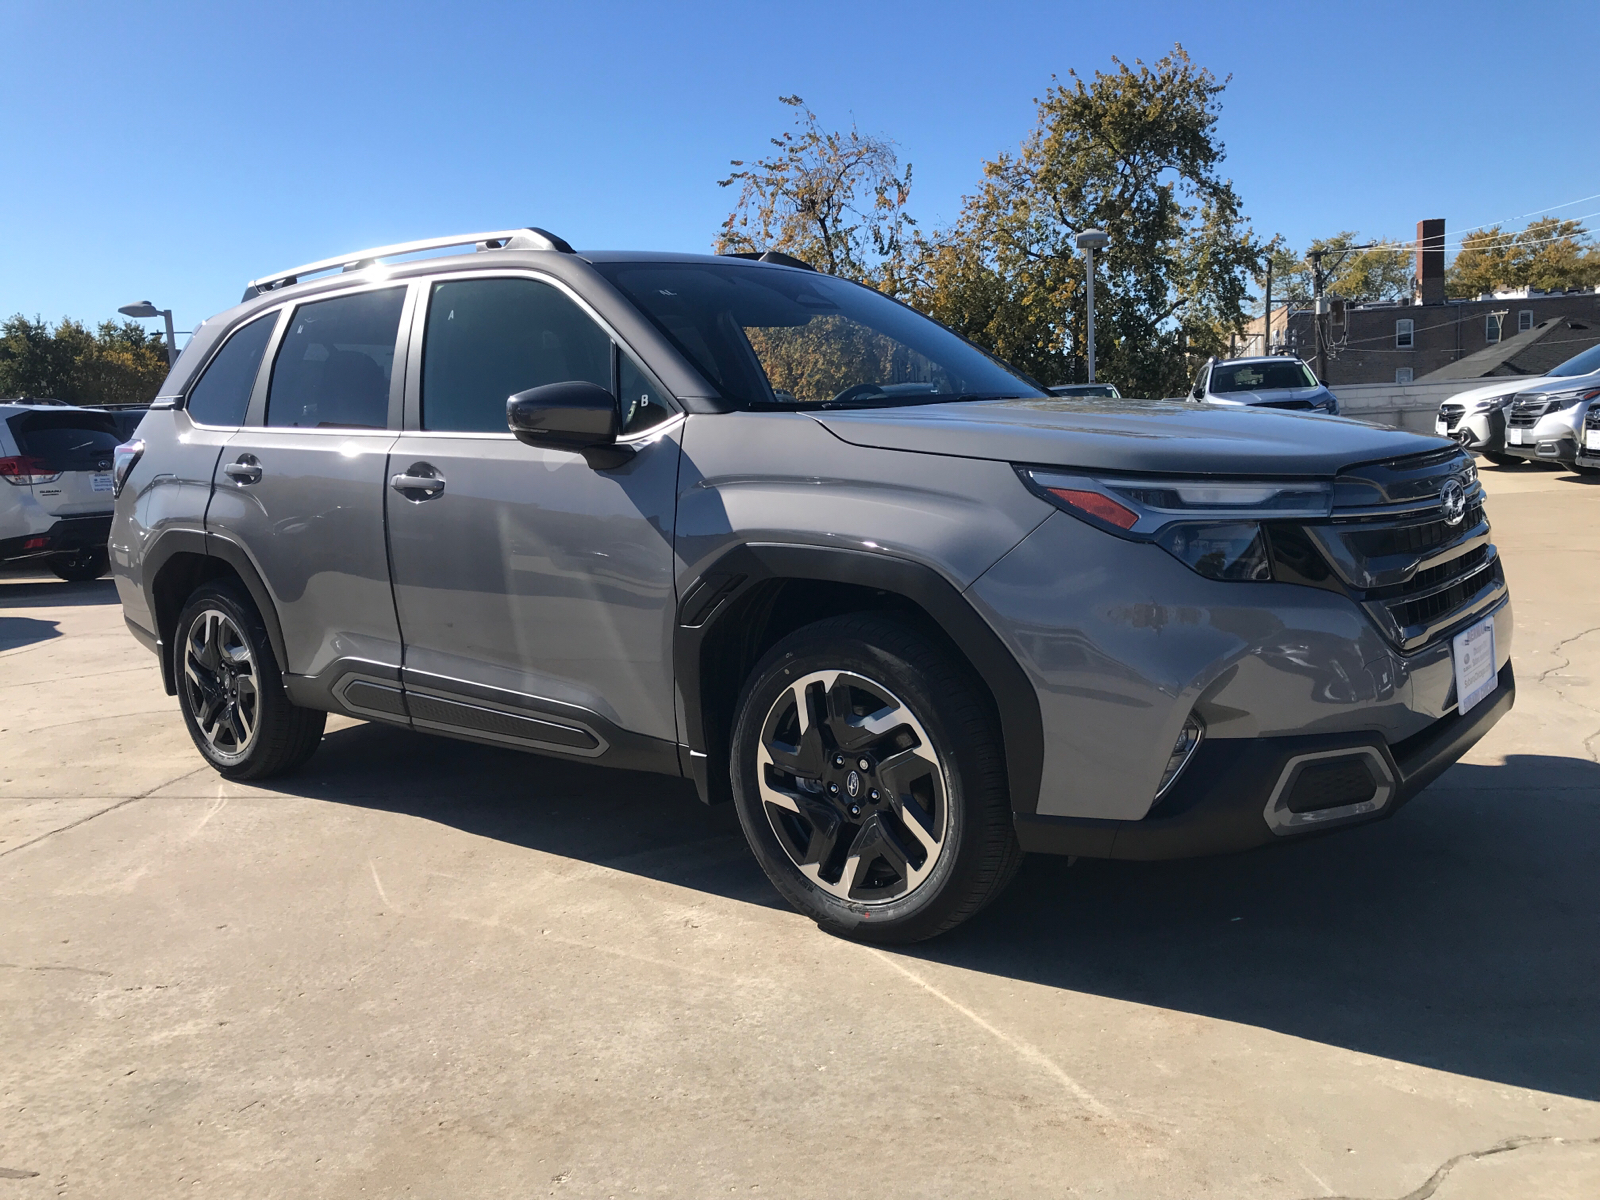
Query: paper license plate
(1441, 428)
(1513, 437)
(1474, 658)
(102, 483)
(1592, 437)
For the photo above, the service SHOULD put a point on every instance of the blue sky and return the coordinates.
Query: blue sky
(174, 152)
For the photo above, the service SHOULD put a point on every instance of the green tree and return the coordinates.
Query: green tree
(1360, 276)
(118, 364)
(834, 200)
(1133, 151)
(1550, 254)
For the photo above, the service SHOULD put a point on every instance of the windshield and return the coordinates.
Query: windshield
(1260, 376)
(1579, 364)
(768, 337)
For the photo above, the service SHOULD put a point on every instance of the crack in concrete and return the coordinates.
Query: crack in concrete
(1565, 663)
(102, 812)
(1434, 1181)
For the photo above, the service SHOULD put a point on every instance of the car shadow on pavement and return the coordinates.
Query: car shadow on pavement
(30, 591)
(1463, 935)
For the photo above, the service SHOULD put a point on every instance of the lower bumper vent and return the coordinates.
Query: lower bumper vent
(1332, 783)
(1316, 790)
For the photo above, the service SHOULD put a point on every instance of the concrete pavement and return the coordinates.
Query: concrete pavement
(427, 968)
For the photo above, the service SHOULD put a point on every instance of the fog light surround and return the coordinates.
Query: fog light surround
(1189, 739)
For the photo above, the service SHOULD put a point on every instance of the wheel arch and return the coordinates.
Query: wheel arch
(183, 559)
(755, 594)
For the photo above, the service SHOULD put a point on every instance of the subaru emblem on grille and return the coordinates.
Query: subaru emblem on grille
(1453, 499)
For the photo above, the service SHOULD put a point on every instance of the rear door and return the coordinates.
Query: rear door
(535, 592)
(75, 444)
(301, 486)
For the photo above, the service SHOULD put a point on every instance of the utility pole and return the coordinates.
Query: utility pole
(1319, 309)
(1266, 313)
(1089, 241)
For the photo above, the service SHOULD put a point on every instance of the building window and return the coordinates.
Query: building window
(1491, 328)
(1402, 374)
(1403, 334)
(1525, 320)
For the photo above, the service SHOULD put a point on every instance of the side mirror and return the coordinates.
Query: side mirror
(577, 416)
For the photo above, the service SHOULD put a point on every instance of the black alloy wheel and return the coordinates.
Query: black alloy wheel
(869, 776)
(81, 565)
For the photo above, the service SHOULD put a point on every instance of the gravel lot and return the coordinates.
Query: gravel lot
(427, 968)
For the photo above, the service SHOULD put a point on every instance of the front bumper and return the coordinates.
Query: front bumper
(1482, 432)
(65, 536)
(1229, 797)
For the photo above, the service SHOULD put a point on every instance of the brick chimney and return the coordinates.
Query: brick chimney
(1430, 262)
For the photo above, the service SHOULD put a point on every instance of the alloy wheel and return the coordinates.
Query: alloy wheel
(853, 787)
(222, 683)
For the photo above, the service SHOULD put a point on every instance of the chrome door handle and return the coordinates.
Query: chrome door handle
(246, 470)
(428, 485)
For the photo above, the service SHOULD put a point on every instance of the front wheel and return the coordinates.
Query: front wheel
(869, 778)
(80, 566)
(231, 692)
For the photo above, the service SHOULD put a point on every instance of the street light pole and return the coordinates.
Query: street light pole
(145, 310)
(1089, 241)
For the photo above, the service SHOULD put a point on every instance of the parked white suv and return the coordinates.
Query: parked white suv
(1540, 420)
(55, 504)
(1275, 381)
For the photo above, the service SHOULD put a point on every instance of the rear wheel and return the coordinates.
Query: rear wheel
(870, 781)
(231, 692)
(79, 566)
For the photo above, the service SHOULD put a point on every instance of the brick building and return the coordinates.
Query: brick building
(1524, 332)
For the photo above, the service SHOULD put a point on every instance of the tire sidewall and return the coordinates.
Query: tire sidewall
(927, 910)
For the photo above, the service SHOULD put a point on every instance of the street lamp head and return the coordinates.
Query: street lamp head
(1093, 239)
(142, 309)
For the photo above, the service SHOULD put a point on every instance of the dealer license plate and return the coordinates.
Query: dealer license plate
(1592, 437)
(102, 483)
(1513, 437)
(1474, 658)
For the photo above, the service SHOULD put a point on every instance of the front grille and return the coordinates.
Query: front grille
(1526, 410)
(1293, 405)
(1591, 419)
(1451, 414)
(1415, 572)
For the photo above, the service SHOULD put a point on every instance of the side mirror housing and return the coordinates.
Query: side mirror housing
(575, 415)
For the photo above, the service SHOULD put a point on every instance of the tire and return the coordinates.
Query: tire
(842, 842)
(231, 692)
(1502, 460)
(80, 566)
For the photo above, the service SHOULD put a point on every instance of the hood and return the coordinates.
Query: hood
(1159, 436)
(1272, 395)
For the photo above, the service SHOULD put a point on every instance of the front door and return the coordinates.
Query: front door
(301, 487)
(535, 593)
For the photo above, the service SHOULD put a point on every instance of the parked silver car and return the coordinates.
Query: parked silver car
(56, 508)
(1275, 381)
(780, 534)
(1540, 420)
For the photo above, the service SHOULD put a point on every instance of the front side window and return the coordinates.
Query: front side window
(488, 339)
(1404, 334)
(223, 393)
(1261, 376)
(766, 337)
(1491, 328)
(333, 369)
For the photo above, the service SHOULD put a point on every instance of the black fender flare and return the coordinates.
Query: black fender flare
(211, 545)
(711, 595)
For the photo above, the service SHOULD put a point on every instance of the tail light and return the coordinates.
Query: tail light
(23, 469)
(123, 459)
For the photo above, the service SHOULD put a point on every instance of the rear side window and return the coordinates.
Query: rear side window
(66, 441)
(488, 339)
(223, 393)
(333, 369)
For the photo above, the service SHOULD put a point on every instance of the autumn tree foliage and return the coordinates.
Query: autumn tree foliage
(1550, 254)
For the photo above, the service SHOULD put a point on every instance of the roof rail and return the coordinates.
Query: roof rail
(529, 238)
(770, 256)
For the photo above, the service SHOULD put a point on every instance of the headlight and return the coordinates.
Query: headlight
(1493, 402)
(1211, 526)
(1575, 396)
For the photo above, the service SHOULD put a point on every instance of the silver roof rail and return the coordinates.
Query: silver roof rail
(529, 238)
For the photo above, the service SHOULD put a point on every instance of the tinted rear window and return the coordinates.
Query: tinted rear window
(334, 365)
(223, 392)
(67, 441)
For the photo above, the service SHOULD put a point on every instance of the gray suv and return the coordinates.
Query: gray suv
(757, 526)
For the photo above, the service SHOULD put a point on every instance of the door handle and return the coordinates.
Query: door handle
(418, 477)
(246, 470)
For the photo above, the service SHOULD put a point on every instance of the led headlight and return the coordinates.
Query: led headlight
(1211, 526)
